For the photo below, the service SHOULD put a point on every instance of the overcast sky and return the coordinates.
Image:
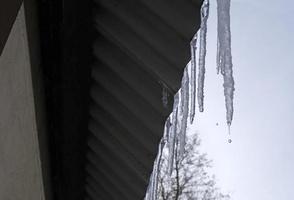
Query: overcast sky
(259, 163)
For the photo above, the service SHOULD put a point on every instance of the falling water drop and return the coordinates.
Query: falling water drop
(229, 133)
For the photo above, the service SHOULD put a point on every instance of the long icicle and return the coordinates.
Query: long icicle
(202, 53)
(161, 146)
(173, 133)
(217, 55)
(184, 110)
(220, 43)
(152, 193)
(176, 124)
(225, 56)
(193, 47)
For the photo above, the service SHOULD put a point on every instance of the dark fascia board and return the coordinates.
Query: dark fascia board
(8, 13)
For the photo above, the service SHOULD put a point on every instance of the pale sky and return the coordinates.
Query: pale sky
(259, 163)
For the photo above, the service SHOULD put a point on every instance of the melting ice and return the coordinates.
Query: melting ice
(184, 106)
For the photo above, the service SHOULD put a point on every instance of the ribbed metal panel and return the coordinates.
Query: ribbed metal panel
(140, 46)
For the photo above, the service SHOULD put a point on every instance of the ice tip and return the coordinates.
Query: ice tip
(229, 128)
(191, 119)
(229, 123)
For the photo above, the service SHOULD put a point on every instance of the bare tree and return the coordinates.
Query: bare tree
(189, 179)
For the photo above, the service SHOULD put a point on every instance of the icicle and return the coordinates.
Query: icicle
(224, 53)
(173, 133)
(202, 53)
(151, 195)
(172, 144)
(184, 110)
(193, 77)
(154, 180)
(220, 53)
(152, 189)
(165, 94)
(217, 56)
(147, 195)
(167, 128)
(176, 123)
(158, 162)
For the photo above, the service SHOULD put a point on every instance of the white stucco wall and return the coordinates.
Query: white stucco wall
(20, 166)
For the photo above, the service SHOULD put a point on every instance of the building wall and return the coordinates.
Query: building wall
(20, 165)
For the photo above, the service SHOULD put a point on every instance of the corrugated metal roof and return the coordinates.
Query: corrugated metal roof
(140, 46)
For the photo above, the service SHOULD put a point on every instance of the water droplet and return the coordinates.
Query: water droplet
(216, 124)
(229, 133)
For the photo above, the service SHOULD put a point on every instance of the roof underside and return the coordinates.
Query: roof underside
(140, 46)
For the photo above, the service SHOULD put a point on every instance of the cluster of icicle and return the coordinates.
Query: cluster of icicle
(184, 106)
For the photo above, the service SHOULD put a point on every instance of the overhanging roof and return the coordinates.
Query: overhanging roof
(140, 45)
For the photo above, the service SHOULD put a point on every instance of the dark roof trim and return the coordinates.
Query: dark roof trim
(8, 12)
